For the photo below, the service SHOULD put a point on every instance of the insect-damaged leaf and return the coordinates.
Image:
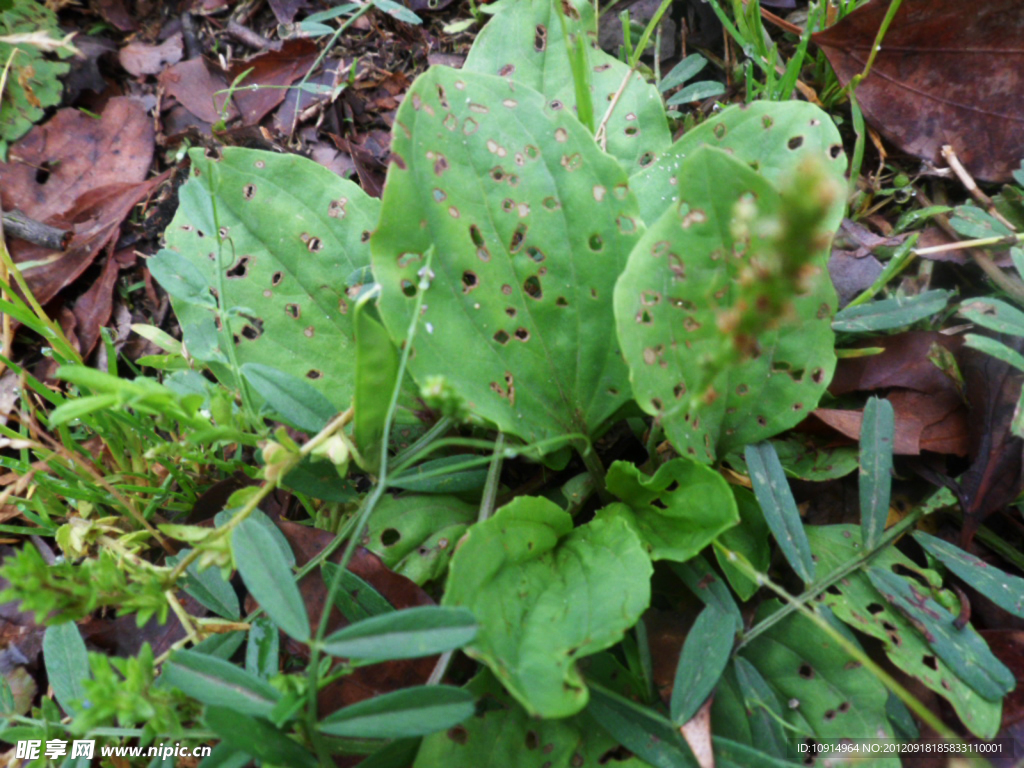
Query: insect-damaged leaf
(532, 224)
(524, 42)
(856, 602)
(822, 692)
(546, 594)
(681, 281)
(963, 649)
(283, 272)
(771, 137)
(677, 512)
(1001, 588)
(942, 76)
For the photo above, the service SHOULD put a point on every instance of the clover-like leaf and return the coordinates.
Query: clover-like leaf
(682, 281)
(545, 595)
(524, 43)
(530, 225)
(275, 236)
(677, 512)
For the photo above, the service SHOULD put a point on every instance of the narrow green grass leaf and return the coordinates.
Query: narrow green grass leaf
(683, 71)
(457, 481)
(67, 663)
(890, 313)
(705, 653)
(402, 714)
(257, 737)
(398, 11)
(405, 634)
(219, 683)
(699, 91)
(772, 490)
(963, 650)
(1002, 318)
(875, 479)
(290, 397)
(995, 348)
(267, 576)
(376, 372)
(641, 730)
(355, 598)
(1001, 588)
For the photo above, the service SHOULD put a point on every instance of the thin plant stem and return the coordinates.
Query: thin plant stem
(493, 479)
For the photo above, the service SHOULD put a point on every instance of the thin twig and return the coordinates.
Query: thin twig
(17, 224)
(971, 186)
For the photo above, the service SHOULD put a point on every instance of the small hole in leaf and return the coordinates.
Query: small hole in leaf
(532, 740)
(551, 204)
(646, 159)
(315, 245)
(931, 662)
(522, 334)
(631, 130)
(595, 242)
(658, 405)
(293, 310)
(497, 173)
(43, 172)
(365, 237)
(561, 301)
(240, 268)
(626, 225)
(806, 671)
(251, 333)
(556, 104)
(439, 195)
(535, 253)
(875, 608)
(540, 38)
(613, 391)
(532, 287)
(844, 707)
(517, 239)
(511, 311)
(501, 337)
(507, 70)
(249, 191)
(389, 537)
(475, 236)
(679, 390)
(835, 151)
(408, 288)
(508, 205)
(506, 289)
(796, 142)
(314, 374)
(469, 281)
(458, 734)
(720, 130)
(762, 421)
(830, 714)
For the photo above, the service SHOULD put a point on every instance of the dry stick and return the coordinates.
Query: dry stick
(1006, 283)
(968, 181)
(17, 224)
(601, 134)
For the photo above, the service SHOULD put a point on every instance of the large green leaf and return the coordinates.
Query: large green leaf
(824, 694)
(682, 279)
(855, 601)
(524, 42)
(677, 512)
(530, 224)
(546, 594)
(290, 233)
(771, 138)
(503, 735)
(67, 663)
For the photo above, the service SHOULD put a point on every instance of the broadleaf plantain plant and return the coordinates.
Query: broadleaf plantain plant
(543, 282)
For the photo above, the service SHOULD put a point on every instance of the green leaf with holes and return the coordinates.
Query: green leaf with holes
(545, 595)
(771, 138)
(676, 512)
(855, 601)
(524, 43)
(962, 648)
(415, 535)
(823, 694)
(682, 281)
(531, 225)
(274, 236)
(502, 735)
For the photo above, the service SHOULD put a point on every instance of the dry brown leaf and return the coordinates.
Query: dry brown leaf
(947, 73)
